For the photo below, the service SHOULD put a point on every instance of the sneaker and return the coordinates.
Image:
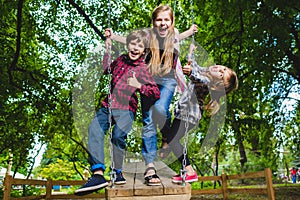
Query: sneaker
(119, 178)
(189, 178)
(96, 182)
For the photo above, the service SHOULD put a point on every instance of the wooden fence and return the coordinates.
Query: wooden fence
(224, 190)
(48, 184)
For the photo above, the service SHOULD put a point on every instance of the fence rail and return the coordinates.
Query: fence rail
(48, 184)
(224, 190)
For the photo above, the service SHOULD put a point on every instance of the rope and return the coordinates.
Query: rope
(112, 173)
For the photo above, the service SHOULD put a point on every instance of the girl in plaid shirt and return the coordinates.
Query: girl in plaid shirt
(129, 76)
(215, 81)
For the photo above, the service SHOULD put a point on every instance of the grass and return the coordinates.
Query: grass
(283, 191)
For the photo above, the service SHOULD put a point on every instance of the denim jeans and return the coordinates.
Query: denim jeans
(156, 114)
(122, 121)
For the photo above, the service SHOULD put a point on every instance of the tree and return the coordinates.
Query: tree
(46, 43)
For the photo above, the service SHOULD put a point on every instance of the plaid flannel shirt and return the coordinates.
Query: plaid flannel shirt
(123, 96)
(190, 104)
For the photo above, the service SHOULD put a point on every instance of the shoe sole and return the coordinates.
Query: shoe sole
(88, 190)
(120, 182)
(187, 181)
(153, 184)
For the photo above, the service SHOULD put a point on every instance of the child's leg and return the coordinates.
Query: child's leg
(178, 131)
(158, 114)
(97, 130)
(123, 124)
(149, 134)
(161, 112)
(96, 135)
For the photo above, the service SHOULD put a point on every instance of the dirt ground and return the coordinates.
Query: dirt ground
(281, 193)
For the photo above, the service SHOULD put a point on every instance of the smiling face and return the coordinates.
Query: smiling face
(218, 71)
(162, 22)
(136, 49)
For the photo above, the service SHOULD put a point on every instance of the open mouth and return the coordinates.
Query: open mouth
(134, 53)
(214, 68)
(163, 31)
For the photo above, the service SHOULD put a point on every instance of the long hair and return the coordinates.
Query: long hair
(161, 65)
(220, 88)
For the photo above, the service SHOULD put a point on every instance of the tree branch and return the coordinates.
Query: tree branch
(18, 45)
(86, 17)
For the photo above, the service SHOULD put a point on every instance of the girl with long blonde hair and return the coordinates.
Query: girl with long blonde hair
(165, 67)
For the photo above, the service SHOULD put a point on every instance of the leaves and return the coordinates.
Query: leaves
(44, 53)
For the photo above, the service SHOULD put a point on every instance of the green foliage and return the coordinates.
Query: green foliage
(59, 170)
(47, 56)
(27, 191)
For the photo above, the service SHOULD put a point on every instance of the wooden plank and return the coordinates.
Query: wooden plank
(17, 181)
(29, 197)
(172, 188)
(247, 175)
(209, 178)
(125, 190)
(165, 173)
(160, 197)
(73, 196)
(7, 187)
(224, 186)
(207, 191)
(49, 189)
(71, 182)
(141, 189)
(166, 188)
(270, 189)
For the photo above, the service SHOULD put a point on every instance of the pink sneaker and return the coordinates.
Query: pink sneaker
(189, 178)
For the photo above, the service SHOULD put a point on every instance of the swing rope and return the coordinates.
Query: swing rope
(183, 171)
(112, 166)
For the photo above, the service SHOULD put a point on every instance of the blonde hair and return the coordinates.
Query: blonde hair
(156, 61)
(220, 88)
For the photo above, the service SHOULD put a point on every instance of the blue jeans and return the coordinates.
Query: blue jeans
(294, 180)
(156, 114)
(122, 121)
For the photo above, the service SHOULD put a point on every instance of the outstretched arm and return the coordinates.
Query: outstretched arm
(193, 29)
(121, 39)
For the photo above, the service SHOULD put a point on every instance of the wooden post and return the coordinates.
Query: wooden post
(10, 162)
(224, 186)
(7, 187)
(270, 189)
(48, 189)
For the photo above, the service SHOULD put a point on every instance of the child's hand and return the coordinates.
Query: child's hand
(194, 28)
(109, 33)
(132, 81)
(187, 69)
